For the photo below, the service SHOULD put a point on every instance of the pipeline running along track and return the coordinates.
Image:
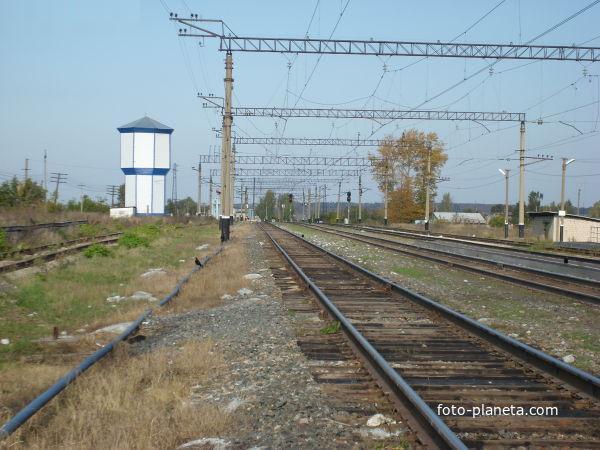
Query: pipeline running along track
(426, 356)
(575, 287)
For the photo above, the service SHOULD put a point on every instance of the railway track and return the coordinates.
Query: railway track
(584, 289)
(431, 361)
(72, 247)
(41, 248)
(38, 226)
(517, 246)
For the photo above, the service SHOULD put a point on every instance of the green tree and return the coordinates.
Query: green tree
(285, 212)
(446, 204)
(497, 209)
(266, 206)
(89, 205)
(183, 207)
(21, 193)
(594, 211)
(534, 201)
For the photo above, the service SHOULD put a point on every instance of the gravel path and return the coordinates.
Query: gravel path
(269, 390)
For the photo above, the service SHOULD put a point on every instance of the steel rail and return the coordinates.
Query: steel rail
(40, 248)
(433, 430)
(489, 242)
(36, 404)
(578, 379)
(17, 228)
(570, 278)
(28, 262)
(392, 245)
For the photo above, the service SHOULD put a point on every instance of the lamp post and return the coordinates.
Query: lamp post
(505, 172)
(561, 213)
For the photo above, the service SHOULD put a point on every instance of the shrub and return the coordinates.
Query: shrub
(97, 250)
(497, 221)
(133, 240)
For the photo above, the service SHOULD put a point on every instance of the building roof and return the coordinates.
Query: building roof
(145, 125)
(534, 214)
(461, 217)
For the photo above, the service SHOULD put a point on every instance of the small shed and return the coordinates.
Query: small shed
(459, 217)
(546, 225)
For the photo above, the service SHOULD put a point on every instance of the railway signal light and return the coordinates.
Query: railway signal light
(290, 198)
(348, 196)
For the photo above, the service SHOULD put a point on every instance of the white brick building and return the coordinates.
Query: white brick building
(546, 225)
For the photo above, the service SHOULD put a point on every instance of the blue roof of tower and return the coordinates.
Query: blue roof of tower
(145, 125)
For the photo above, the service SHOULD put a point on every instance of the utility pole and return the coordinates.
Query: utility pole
(506, 173)
(522, 181)
(226, 187)
(325, 209)
(337, 214)
(174, 190)
(199, 202)
(578, 198)
(232, 183)
(46, 170)
(303, 205)
(81, 186)
(385, 192)
(246, 201)
(317, 203)
(309, 213)
(58, 178)
(26, 170)
(562, 212)
(253, 195)
(112, 191)
(359, 199)
(199, 208)
(210, 191)
(427, 181)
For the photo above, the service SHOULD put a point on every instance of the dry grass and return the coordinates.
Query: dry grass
(131, 402)
(485, 231)
(222, 275)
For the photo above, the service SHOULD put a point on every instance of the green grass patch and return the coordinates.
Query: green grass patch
(97, 250)
(412, 272)
(332, 328)
(74, 294)
(586, 340)
(133, 240)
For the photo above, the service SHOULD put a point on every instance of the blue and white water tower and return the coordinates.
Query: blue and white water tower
(145, 161)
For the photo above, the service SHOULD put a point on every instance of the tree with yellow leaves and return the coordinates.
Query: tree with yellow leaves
(402, 165)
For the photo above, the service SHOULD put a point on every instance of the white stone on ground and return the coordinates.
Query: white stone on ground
(4, 341)
(202, 247)
(116, 328)
(378, 419)
(252, 276)
(569, 359)
(244, 292)
(215, 443)
(159, 271)
(233, 405)
(484, 320)
(114, 299)
(226, 297)
(141, 295)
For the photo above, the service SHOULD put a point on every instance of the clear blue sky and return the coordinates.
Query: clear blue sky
(73, 71)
